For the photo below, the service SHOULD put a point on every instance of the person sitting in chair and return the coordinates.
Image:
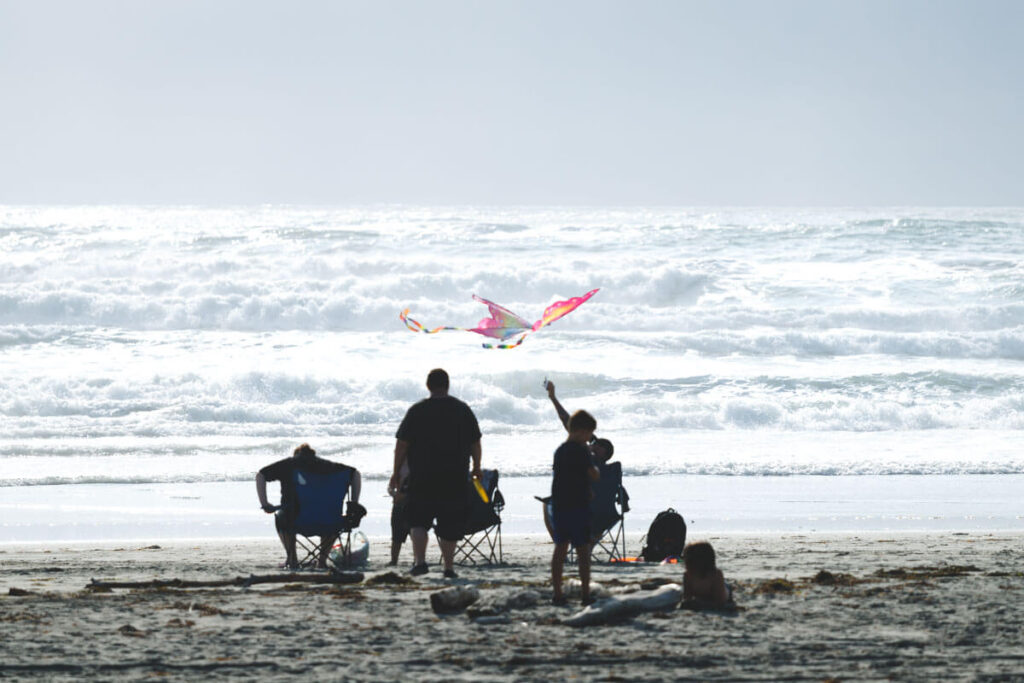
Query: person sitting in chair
(303, 459)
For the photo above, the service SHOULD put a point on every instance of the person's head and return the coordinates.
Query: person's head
(303, 451)
(581, 426)
(602, 450)
(437, 382)
(699, 558)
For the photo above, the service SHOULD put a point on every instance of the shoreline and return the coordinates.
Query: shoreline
(711, 504)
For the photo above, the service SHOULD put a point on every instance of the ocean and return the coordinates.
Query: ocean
(758, 369)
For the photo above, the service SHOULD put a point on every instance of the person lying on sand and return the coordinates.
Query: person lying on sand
(704, 585)
(601, 449)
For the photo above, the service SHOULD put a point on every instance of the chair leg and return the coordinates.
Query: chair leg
(479, 548)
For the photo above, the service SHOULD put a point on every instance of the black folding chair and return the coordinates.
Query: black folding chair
(481, 542)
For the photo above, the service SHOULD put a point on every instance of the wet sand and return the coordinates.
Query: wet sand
(859, 606)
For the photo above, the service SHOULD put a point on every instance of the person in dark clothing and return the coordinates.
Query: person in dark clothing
(601, 449)
(570, 503)
(437, 438)
(399, 519)
(304, 459)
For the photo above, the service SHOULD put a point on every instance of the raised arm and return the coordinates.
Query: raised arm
(562, 414)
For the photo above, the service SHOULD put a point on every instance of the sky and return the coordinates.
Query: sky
(720, 102)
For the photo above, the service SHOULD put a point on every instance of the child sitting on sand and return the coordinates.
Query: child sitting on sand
(703, 583)
(570, 503)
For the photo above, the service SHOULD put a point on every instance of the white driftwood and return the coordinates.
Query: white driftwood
(573, 589)
(625, 606)
(492, 604)
(523, 600)
(453, 599)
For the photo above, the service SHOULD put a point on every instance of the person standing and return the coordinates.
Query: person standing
(573, 471)
(399, 520)
(437, 439)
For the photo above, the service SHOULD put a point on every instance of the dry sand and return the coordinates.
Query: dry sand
(811, 607)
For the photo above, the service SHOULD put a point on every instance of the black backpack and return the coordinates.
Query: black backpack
(666, 537)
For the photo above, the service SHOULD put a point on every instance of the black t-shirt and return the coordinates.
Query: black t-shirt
(570, 487)
(440, 432)
(284, 471)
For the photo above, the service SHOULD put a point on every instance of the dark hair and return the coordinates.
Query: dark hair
(581, 419)
(437, 380)
(699, 558)
(304, 451)
(609, 449)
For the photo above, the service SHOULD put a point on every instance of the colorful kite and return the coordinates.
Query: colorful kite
(503, 324)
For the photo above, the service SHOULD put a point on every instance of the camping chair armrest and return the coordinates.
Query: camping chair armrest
(623, 499)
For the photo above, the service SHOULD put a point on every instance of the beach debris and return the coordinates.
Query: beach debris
(178, 623)
(453, 599)
(390, 578)
(775, 587)
(827, 578)
(523, 600)
(574, 589)
(19, 592)
(503, 324)
(242, 581)
(920, 573)
(492, 605)
(494, 620)
(131, 631)
(627, 606)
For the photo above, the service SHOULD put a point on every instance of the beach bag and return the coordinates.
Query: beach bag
(665, 537)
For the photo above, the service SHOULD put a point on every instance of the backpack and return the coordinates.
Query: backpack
(665, 537)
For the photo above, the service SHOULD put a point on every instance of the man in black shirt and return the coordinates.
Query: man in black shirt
(304, 459)
(437, 438)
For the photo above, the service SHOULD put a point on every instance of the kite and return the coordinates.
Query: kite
(503, 324)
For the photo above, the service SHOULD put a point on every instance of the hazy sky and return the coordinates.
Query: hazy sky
(776, 102)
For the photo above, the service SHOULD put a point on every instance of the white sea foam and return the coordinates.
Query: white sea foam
(179, 345)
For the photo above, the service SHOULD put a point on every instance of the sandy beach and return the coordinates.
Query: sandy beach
(865, 606)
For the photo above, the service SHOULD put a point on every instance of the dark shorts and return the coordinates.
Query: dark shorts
(399, 519)
(283, 521)
(571, 526)
(447, 516)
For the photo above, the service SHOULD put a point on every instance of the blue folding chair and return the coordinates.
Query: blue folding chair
(481, 542)
(320, 511)
(608, 510)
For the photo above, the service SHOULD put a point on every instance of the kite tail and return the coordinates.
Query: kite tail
(506, 346)
(415, 326)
